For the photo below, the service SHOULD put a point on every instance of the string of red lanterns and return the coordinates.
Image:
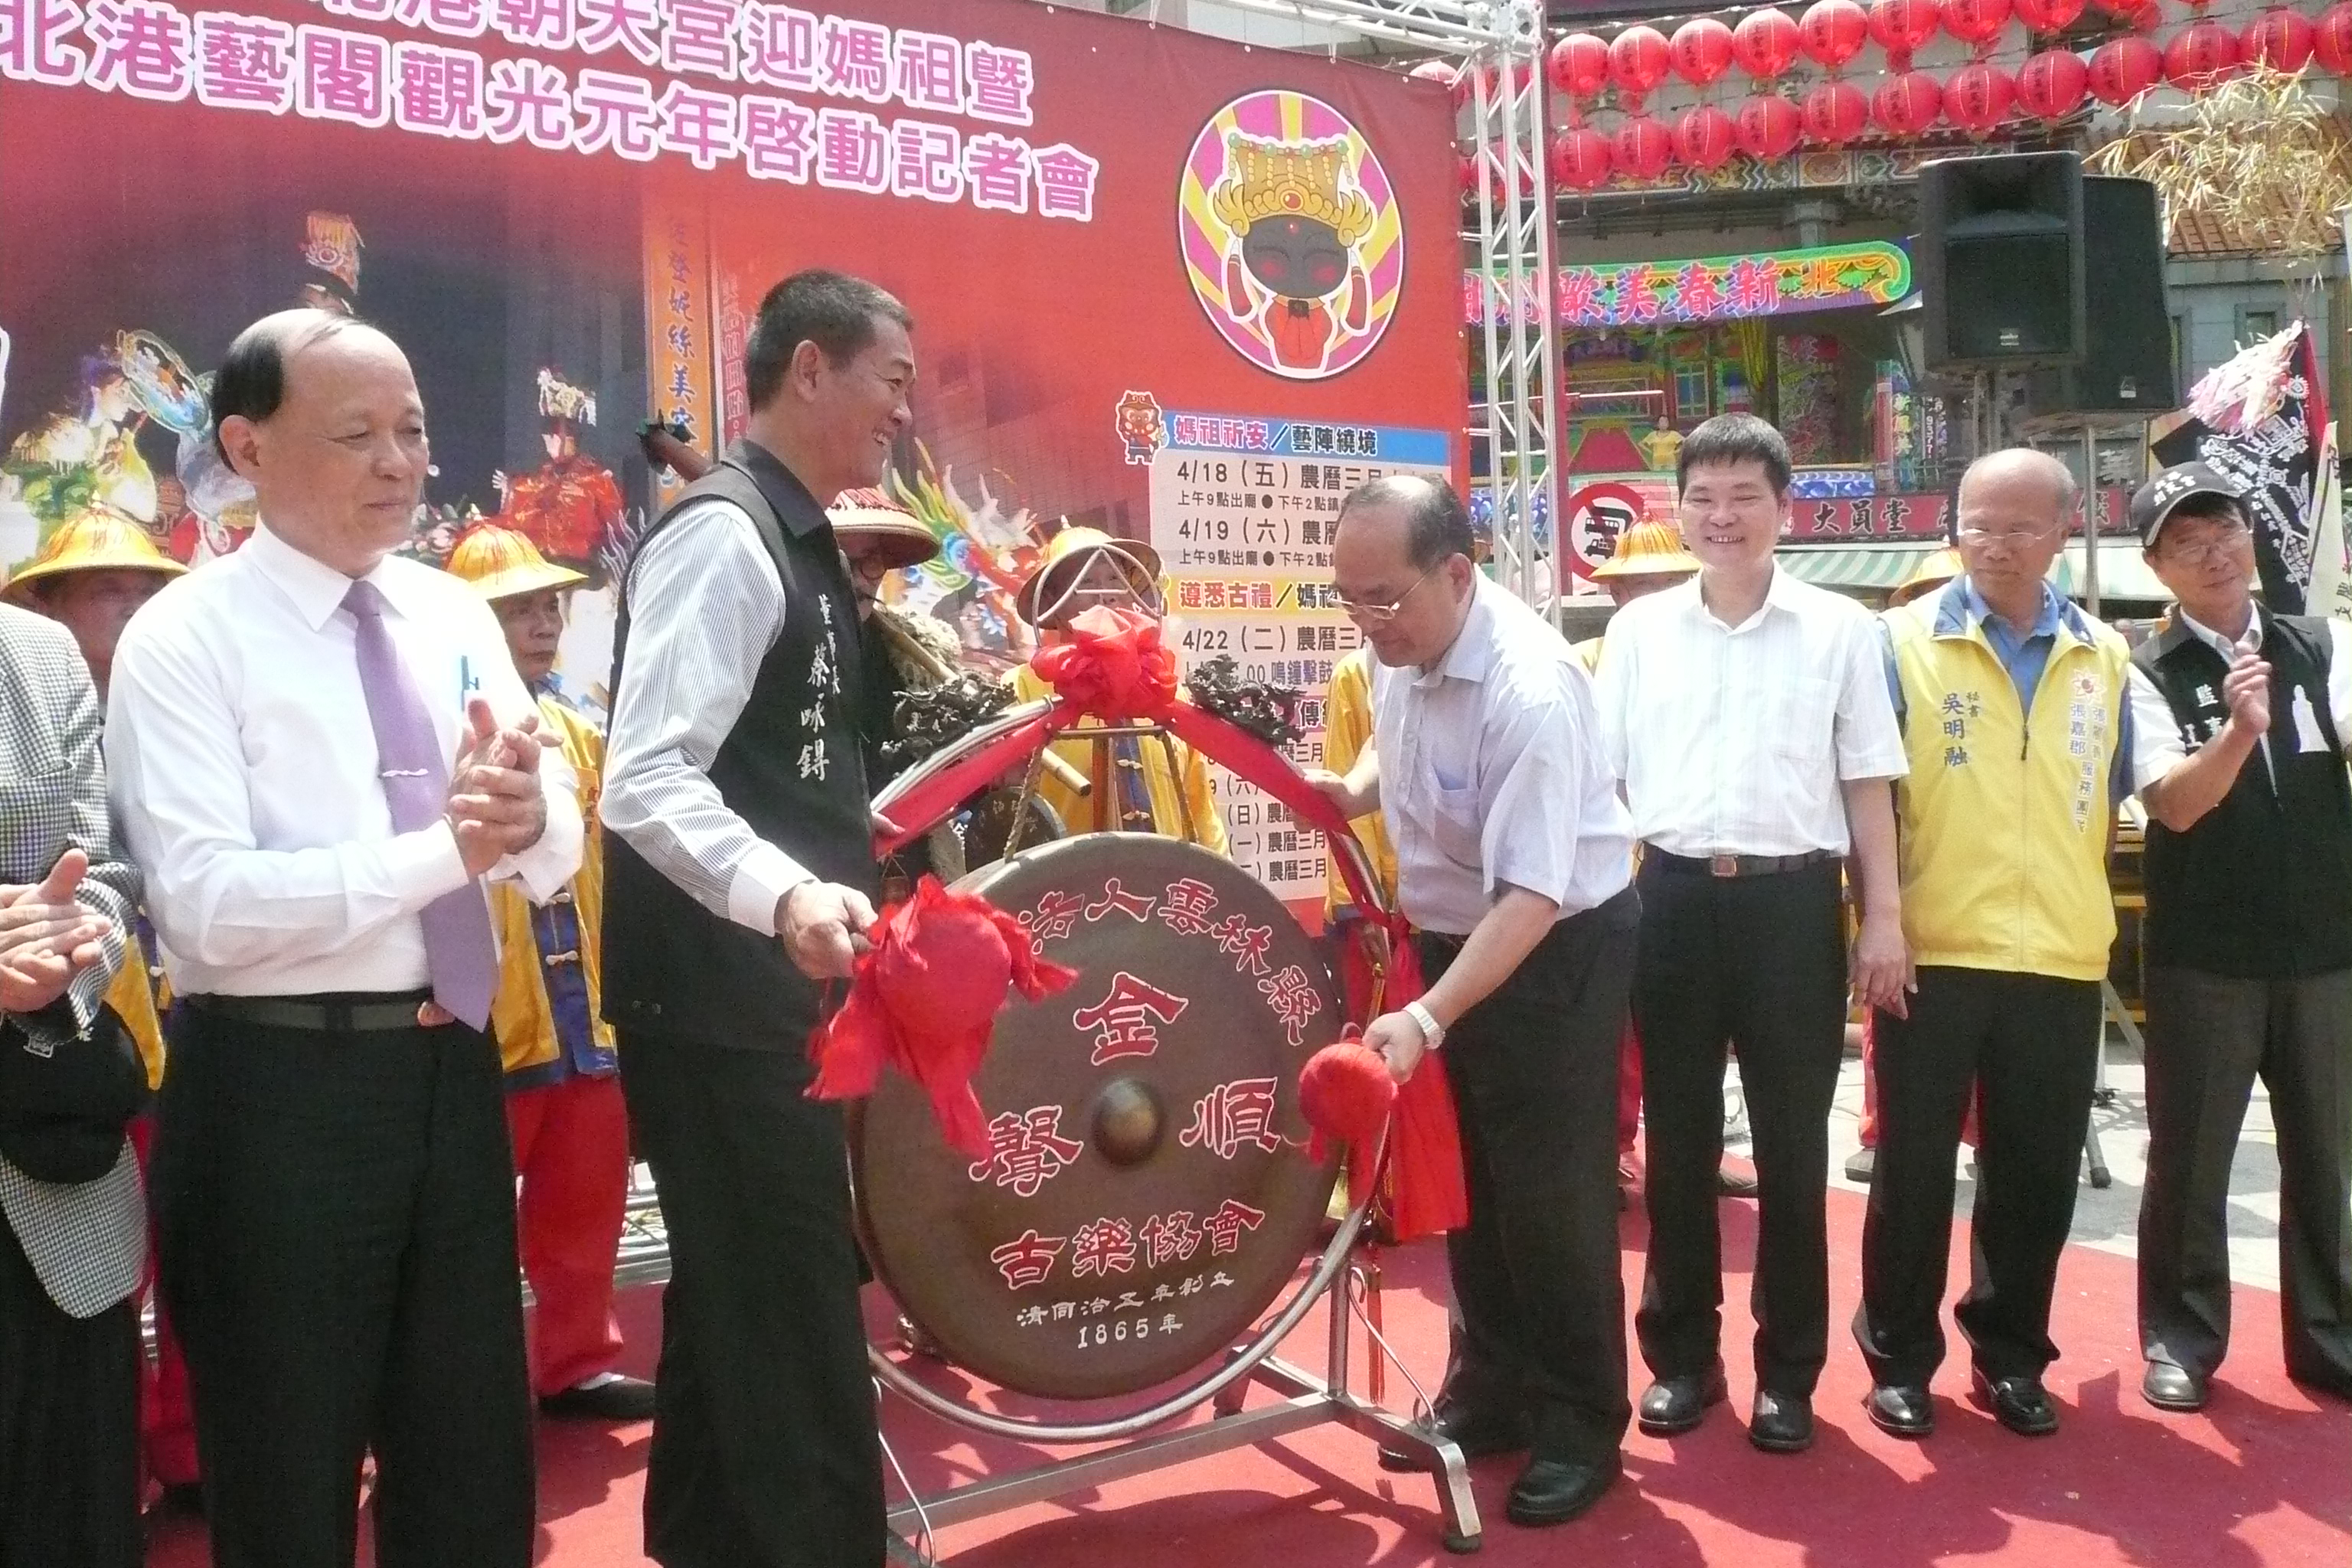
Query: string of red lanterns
(1976, 98)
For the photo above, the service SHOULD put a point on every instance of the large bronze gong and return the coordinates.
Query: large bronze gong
(1148, 1192)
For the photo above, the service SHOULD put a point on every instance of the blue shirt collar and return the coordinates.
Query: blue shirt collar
(2046, 622)
(1960, 609)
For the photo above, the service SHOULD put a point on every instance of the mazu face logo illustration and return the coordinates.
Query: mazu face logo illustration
(1291, 235)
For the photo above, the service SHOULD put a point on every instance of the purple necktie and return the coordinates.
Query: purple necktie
(461, 953)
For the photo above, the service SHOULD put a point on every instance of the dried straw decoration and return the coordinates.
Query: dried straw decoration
(2256, 156)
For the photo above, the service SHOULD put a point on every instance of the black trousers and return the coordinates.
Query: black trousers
(335, 1214)
(1533, 1068)
(2208, 1036)
(2030, 1043)
(765, 1448)
(68, 1426)
(1759, 963)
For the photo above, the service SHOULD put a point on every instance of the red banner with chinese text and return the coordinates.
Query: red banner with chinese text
(512, 189)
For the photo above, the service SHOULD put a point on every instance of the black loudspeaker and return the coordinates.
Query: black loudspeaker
(2127, 366)
(2001, 262)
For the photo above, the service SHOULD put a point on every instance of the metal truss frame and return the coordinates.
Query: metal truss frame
(1500, 44)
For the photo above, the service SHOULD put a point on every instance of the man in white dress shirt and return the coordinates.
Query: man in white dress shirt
(1514, 866)
(738, 868)
(1749, 715)
(309, 763)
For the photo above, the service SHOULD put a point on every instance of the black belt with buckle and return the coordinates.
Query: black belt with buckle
(335, 1013)
(1727, 866)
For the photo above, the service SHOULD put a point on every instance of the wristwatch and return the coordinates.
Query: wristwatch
(1433, 1034)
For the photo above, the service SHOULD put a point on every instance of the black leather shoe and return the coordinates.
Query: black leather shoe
(2168, 1387)
(1900, 1411)
(1859, 1166)
(1553, 1491)
(1476, 1433)
(1730, 1184)
(1672, 1406)
(1781, 1423)
(614, 1399)
(2020, 1404)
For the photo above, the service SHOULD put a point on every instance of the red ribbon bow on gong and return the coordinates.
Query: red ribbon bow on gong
(1113, 667)
(925, 997)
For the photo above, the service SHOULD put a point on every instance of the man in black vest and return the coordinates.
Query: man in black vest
(2240, 718)
(739, 873)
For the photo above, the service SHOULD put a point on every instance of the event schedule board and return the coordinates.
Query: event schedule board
(1245, 510)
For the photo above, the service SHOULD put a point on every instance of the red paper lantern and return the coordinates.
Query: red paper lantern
(1765, 41)
(1769, 127)
(1638, 60)
(2331, 40)
(1976, 21)
(1578, 65)
(2122, 69)
(1978, 97)
(1465, 169)
(1580, 159)
(2051, 85)
(1705, 138)
(1443, 75)
(2126, 10)
(2200, 55)
(1642, 147)
(2279, 38)
(1521, 76)
(1901, 27)
(1701, 49)
(1907, 105)
(1834, 113)
(2047, 15)
(1833, 32)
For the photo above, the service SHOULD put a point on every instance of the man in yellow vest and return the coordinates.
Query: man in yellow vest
(2015, 721)
(91, 578)
(564, 1110)
(1139, 784)
(1930, 574)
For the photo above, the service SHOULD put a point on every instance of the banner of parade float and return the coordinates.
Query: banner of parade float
(568, 210)
(2261, 418)
(1709, 289)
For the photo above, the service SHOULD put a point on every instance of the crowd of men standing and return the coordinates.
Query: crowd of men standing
(1960, 760)
(334, 782)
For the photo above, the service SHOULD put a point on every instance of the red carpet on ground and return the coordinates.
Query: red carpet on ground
(2261, 1478)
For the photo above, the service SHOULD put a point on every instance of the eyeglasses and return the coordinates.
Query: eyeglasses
(1381, 614)
(2014, 539)
(2219, 545)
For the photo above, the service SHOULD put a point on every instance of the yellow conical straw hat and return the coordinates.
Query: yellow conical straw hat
(502, 561)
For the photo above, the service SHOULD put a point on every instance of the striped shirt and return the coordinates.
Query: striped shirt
(1733, 740)
(689, 676)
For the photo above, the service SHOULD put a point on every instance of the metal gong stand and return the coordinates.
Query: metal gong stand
(1347, 1271)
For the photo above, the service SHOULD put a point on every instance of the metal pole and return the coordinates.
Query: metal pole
(2091, 519)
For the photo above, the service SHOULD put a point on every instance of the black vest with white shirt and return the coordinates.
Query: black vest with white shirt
(2261, 887)
(792, 768)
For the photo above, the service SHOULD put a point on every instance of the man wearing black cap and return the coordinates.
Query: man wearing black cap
(2240, 720)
